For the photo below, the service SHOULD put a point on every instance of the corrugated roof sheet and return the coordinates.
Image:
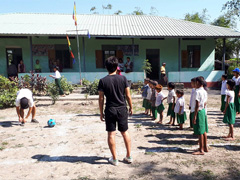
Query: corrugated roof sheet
(107, 25)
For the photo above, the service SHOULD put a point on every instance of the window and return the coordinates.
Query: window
(14, 56)
(62, 55)
(191, 57)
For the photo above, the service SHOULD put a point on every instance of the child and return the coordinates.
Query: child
(179, 109)
(57, 78)
(236, 78)
(153, 84)
(192, 101)
(223, 91)
(148, 102)
(171, 102)
(200, 118)
(230, 110)
(144, 94)
(159, 102)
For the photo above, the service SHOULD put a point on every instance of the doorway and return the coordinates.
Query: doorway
(153, 55)
(14, 56)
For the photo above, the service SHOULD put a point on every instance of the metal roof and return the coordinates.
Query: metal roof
(32, 24)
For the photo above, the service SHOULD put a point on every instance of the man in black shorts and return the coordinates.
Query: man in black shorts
(115, 88)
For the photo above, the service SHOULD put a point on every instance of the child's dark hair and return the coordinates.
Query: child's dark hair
(231, 83)
(154, 83)
(111, 64)
(203, 82)
(193, 80)
(151, 81)
(180, 91)
(224, 76)
(147, 79)
(171, 85)
(56, 67)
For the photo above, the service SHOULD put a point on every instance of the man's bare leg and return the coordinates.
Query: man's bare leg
(22, 114)
(34, 112)
(127, 141)
(112, 144)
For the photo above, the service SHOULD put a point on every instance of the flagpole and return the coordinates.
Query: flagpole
(79, 58)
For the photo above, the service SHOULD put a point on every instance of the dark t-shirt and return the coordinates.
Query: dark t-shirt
(114, 87)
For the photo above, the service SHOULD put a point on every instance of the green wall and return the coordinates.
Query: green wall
(168, 52)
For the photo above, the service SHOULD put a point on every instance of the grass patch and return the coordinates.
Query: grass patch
(18, 146)
(172, 172)
(4, 143)
(150, 153)
(1, 148)
(206, 175)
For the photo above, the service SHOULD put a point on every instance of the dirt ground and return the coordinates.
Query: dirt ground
(76, 147)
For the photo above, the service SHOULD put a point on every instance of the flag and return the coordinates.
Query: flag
(70, 50)
(88, 34)
(75, 14)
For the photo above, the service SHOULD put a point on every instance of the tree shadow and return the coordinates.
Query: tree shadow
(173, 136)
(7, 124)
(71, 159)
(176, 142)
(80, 115)
(43, 105)
(163, 149)
(228, 147)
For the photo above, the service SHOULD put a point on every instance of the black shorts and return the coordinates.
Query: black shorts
(116, 116)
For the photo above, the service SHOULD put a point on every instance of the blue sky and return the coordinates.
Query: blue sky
(171, 8)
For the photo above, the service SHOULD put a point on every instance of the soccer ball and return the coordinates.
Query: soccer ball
(51, 122)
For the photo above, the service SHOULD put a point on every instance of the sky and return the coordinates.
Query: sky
(170, 8)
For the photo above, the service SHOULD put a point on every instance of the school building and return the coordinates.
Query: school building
(187, 48)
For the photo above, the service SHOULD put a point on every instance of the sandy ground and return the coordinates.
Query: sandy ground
(76, 147)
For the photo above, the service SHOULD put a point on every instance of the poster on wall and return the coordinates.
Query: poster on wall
(41, 49)
(127, 49)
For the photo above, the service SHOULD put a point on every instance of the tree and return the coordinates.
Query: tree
(108, 7)
(137, 11)
(233, 7)
(153, 11)
(197, 17)
(118, 12)
(93, 9)
(226, 21)
(236, 48)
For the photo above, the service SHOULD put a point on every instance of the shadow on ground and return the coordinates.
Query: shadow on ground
(7, 124)
(71, 159)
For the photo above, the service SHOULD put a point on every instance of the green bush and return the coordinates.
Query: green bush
(230, 69)
(53, 91)
(8, 92)
(92, 88)
(66, 86)
(85, 82)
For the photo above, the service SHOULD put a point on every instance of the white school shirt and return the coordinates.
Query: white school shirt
(192, 103)
(236, 80)
(171, 94)
(24, 93)
(159, 98)
(149, 93)
(231, 94)
(224, 87)
(57, 75)
(180, 102)
(201, 97)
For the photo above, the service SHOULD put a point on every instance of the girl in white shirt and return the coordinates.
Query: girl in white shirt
(192, 101)
(223, 91)
(236, 78)
(230, 110)
(171, 103)
(200, 125)
(180, 109)
(57, 77)
(159, 102)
